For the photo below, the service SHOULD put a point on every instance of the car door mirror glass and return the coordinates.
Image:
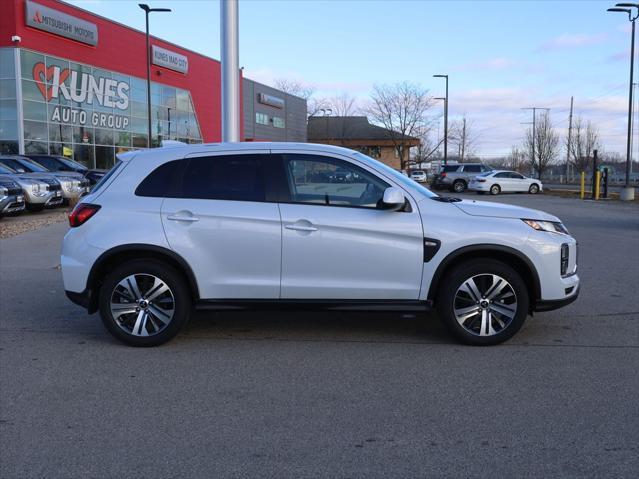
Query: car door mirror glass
(393, 199)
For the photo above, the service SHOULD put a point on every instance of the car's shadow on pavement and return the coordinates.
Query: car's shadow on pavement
(316, 326)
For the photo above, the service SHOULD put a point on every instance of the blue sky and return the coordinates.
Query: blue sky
(501, 55)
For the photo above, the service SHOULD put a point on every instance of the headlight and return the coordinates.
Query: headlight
(550, 226)
(35, 188)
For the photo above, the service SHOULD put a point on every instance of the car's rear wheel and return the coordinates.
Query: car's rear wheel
(483, 302)
(144, 302)
(534, 189)
(459, 186)
(495, 190)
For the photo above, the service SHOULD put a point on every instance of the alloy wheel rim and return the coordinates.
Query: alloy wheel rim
(494, 190)
(142, 305)
(485, 304)
(459, 187)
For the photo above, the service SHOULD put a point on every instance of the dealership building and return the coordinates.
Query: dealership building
(74, 83)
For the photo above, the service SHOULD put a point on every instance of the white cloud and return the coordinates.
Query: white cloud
(573, 40)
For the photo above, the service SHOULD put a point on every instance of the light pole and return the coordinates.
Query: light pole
(444, 100)
(628, 193)
(148, 10)
(445, 118)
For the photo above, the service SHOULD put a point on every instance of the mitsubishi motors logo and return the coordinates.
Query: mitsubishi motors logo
(37, 17)
(55, 82)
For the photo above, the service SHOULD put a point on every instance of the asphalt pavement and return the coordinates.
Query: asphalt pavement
(285, 394)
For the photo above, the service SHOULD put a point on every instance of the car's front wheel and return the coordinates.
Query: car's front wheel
(534, 189)
(483, 302)
(144, 302)
(459, 186)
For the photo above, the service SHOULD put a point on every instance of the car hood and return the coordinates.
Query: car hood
(500, 210)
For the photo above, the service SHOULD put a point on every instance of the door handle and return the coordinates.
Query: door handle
(182, 218)
(300, 228)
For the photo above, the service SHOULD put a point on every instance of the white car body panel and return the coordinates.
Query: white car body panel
(507, 185)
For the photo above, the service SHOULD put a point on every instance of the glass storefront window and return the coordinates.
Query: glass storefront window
(60, 132)
(7, 69)
(9, 147)
(7, 88)
(34, 110)
(36, 130)
(27, 61)
(8, 129)
(36, 147)
(85, 123)
(8, 110)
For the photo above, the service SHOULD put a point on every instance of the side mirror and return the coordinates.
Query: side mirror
(393, 199)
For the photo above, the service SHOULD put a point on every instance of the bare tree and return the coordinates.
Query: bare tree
(516, 160)
(463, 135)
(542, 146)
(303, 90)
(401, 109)
(584, 140)
(343, 105)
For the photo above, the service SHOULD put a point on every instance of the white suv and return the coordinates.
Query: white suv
(252, 225)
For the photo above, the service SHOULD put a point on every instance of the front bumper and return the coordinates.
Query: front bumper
(550, 305)
(12, 204)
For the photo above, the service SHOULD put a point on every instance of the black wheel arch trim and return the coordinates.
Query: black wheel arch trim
(487, 247)
(96, 269)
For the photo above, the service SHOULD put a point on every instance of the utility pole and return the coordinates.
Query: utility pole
(534, 132)
(569, 138)
(229, 41)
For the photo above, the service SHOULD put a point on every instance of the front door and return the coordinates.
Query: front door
(337, 241)
(218, 220)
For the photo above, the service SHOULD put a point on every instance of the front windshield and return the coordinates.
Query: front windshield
(32, 165)
(397, 176)
(6, 170)
(73, 164)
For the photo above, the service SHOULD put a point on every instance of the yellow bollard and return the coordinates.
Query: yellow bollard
(582, 191)
(597, 178)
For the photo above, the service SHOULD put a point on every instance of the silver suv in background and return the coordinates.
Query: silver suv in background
(11, 197)
(38, 191)
(456, 176)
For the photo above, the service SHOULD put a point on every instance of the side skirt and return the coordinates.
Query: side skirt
(312, 304)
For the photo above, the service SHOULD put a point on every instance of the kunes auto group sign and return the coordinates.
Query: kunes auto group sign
(70, 85)
(59, 23)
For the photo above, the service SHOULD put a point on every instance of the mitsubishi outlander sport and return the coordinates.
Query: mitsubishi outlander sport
(250, 225)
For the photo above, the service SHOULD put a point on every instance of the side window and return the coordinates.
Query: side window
(328, 181)
(230, 177)
(503, 174)
(472, 169)
(160, 181)
(516, 176)
(485, 168)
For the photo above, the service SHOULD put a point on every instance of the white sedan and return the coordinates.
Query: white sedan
(501, 181)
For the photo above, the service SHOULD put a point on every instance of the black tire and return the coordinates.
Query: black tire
(495, 190)
(170, 276)
(534, 189)
(459, 186)
(446, 299)
(35, 208)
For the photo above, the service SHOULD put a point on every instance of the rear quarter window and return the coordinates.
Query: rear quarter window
(160, 182)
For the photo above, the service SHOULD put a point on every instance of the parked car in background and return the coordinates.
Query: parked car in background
(456, 177)
(503, 181)
(73, 184)
(11, 196)
(419, 176)
(235, 225)
(59, 163)
(39, 191)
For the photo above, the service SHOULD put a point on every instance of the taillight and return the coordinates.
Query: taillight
(81, 214)
(443, 175)
(481, 180)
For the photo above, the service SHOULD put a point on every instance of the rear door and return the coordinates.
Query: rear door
(337, 243)
(518, 182)
(218, 218)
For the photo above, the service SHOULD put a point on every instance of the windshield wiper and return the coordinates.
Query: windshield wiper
(446, 199)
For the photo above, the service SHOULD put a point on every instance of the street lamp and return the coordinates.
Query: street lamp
(444, 100)
(148, 10)
(445, 118)
(628, 192)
